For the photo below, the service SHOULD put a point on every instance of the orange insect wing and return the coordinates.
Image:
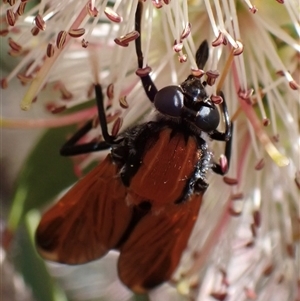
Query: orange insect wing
(89, 220)
(153, 250)
(166, 168)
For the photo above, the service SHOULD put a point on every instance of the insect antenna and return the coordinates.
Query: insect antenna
(148, 84)
(202, 55)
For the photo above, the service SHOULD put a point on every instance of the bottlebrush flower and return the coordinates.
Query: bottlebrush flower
(246, 241)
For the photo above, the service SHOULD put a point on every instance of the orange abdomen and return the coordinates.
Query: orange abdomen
(165, 169)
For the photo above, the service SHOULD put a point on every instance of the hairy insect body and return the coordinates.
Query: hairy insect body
(165, 163)
(166, 169)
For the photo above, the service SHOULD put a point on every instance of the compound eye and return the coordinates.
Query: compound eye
(169, 101)
(207, 119)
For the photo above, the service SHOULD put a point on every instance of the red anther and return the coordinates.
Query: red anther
(4, 83)
(125, 40)
(39, 22)
(182, 58)
(230, 181)
(76, 32)
(239, 50)
(123, 102)
(260, 164)
(220, 296)
(216, 99)
(110, 91)
(157, 3)
(212, 75)
(186, 32)
(112, 15)
(246, 95)
(266, 122)
(84, 43)
(219, 40)
(92, 11)
(141, 72)
(197, 72)
(61, 39)
(35, 31)
(177, 47)
(50, 50)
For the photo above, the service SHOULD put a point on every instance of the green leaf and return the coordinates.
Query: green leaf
(44, 174)
(142, 297)
(32, 267)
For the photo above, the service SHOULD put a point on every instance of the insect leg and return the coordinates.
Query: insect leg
(102, 117)
(216, 135)
(148, 84)
(226, 136)
(71, 149)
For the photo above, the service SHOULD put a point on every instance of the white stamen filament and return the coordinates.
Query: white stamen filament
(178, 26)
(272, 27)
(95, 21)
(294, 15)
(211, 18)
(129, 25)
(117, 4)
(253, 141)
